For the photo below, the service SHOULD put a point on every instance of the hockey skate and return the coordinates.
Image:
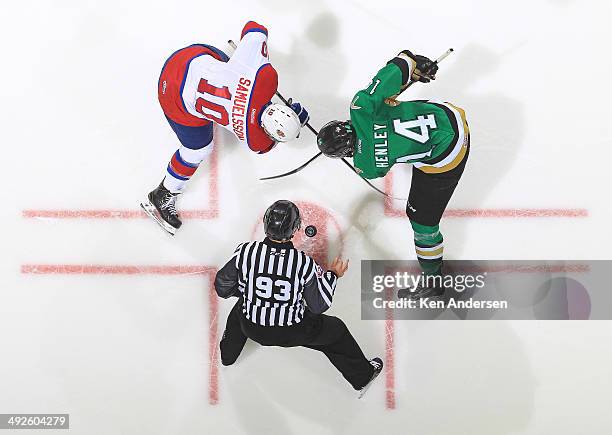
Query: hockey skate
(378, 366)
(161, 206)
(435, 289)
(420, 292)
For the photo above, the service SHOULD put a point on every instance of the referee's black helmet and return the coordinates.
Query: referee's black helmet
(282, 220)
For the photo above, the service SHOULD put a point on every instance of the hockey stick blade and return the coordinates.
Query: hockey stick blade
(294, 170)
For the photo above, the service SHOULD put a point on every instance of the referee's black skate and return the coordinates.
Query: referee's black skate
(378, 366)
(161, 206)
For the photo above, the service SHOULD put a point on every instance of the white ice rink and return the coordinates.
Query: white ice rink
(105, 317)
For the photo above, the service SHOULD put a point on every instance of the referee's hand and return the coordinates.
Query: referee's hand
(338, 266)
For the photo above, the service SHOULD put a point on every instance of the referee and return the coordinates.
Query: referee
(282, 293)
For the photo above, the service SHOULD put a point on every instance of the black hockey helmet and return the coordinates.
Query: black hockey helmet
(282, 220)
(337, 139)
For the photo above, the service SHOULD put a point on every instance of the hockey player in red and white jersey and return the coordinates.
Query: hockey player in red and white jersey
(200, 85)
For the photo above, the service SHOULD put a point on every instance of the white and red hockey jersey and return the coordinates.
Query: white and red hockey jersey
(231, 93)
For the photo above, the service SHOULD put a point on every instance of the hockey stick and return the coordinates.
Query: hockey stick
(316, 156)
(391, 101)
(310, 127)
(382, 192)
(293, 171)
(351, 167)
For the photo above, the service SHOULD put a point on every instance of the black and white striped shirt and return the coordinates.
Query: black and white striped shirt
(277, 282)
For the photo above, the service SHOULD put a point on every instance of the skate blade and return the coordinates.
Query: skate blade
(368, 385)
(150, 210)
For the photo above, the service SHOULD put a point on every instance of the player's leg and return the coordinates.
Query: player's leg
(196, 145)
(233, 339)
(332, 337)
(194, 134)
(428, 198)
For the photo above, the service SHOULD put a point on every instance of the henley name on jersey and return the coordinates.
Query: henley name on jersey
(381, 151)
(427, 134)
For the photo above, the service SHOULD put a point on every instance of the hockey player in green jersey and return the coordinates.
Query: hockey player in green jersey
(432, 136)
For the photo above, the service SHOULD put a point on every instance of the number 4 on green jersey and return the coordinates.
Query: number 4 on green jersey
(423, 123)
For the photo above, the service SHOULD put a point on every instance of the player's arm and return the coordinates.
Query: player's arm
(252, 48)
(266, 149)
(319, 287)
(226, 280)
(388, 82)
(266, 83)
(393, 79)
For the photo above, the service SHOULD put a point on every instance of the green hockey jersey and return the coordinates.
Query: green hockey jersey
(431, 135)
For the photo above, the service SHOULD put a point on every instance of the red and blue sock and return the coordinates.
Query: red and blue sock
(182, 166)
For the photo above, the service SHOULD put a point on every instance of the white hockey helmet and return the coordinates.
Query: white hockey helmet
(280, 122)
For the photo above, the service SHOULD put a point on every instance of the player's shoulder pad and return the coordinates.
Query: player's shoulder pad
(252, 26)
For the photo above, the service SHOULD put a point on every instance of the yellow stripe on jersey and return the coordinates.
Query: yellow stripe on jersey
(450, 166)
(431, 169)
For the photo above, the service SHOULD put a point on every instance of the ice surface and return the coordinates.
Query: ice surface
(105, 317)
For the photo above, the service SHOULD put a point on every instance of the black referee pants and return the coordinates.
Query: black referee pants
(326, 334)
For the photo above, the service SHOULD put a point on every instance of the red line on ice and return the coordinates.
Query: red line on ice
(213, 362)
(94, 269)
(508, 268)
(389, 357)
(213, 308)
(500, 212)
(392, 211)
(112, 214)
(389, 211)
(212, 212)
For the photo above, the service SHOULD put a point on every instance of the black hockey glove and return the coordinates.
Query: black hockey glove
(425, 69)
